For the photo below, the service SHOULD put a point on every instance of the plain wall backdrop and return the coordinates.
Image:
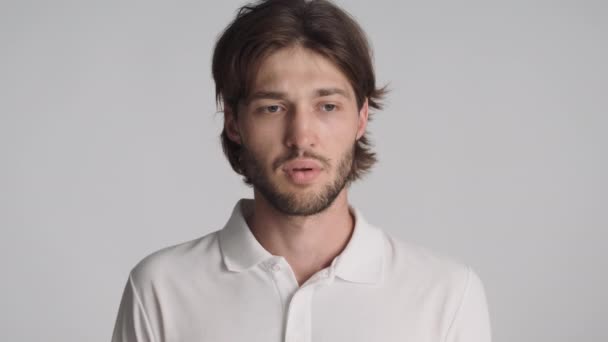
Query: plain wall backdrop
(492, 149)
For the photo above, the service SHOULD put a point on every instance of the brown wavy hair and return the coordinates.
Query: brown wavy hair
(264, 27)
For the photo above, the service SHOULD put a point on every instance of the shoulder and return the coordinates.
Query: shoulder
(449, 291)
(422, 268)
(177, 261)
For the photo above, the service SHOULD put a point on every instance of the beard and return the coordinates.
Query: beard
(292, 203)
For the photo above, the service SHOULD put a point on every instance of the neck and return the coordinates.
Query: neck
(308, 243)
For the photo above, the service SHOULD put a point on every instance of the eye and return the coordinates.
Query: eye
(273, 109)
(270, 109)
(328, 107)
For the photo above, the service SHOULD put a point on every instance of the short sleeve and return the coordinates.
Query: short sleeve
(132, 324)
(471, 322)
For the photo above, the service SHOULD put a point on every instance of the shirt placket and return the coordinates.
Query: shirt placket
(296, 300)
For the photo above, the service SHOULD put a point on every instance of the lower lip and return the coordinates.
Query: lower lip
(303, 177)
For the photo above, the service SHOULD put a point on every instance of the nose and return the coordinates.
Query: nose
(300, 133)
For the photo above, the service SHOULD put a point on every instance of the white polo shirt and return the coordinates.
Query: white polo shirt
(225, 287)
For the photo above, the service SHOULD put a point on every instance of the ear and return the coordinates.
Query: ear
(231, 126)
(363, 117)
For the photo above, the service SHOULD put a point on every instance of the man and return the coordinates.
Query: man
(297, 263)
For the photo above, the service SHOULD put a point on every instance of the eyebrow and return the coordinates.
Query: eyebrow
(277, 95)
(331, 91)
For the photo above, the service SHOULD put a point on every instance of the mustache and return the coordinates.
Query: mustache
(294, 154)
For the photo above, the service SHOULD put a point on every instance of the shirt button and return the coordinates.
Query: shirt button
(275, 267)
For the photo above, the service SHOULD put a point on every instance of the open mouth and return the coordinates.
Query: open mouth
(303, 176)
(302, 171)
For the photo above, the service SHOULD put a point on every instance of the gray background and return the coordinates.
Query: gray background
(492, 150)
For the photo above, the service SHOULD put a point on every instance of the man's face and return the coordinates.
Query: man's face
(298, 131)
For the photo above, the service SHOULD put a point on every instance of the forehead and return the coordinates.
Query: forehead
(296, 68)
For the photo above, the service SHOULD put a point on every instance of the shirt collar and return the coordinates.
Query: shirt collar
(239, 247)
(360, 262)
(362, 259)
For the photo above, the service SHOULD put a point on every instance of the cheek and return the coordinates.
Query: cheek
(262, 139)
(341, 128)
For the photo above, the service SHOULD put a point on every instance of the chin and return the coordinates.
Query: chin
(300, 202)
